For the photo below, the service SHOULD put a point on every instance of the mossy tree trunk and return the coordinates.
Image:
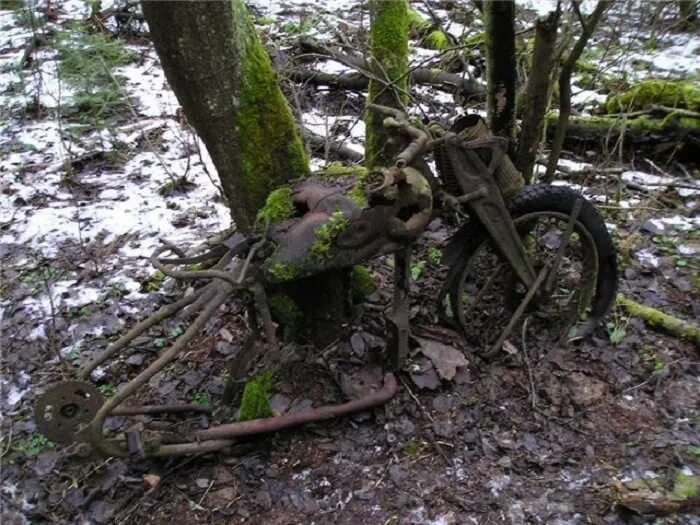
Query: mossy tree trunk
(588, 26)
(537, 93)
(499, 38)
(389, 48)
(227, 87)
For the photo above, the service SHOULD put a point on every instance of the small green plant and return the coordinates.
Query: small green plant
(297, 28)
(85, 63)
(35, 445)
(694, 451)
(107, 389)
(434, 255)
(255, 403)
(412, 448)
(417, 269)
(203, 397)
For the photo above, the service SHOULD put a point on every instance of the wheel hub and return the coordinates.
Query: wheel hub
(65, 409)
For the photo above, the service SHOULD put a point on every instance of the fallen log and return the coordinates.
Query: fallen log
(321, 146)
(658, 319)
(436, 78)
(641, 130)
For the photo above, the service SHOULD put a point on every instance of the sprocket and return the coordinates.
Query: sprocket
(65, 409)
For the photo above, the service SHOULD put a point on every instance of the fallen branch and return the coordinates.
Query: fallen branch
(320, 145)
(658, 319)
(442, 80)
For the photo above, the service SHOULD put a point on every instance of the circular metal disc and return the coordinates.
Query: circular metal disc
(66, 408)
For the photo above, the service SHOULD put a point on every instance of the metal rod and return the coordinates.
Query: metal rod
(518, 312)
(133, 410)
(564, 244)
(160, 315)
(95, 428)
(271, 424)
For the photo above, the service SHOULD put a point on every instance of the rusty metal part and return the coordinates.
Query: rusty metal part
(475, 179)
(94, 430)
(397, 321)
(133, 410)
(272, 424)
(65, 409)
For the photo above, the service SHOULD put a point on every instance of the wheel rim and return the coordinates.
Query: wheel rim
(486, 293)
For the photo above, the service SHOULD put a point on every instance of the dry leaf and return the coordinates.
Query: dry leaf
(152, 479)
(445, 358)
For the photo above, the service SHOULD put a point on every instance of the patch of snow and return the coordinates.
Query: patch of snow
(571, 166)
(498, 484)
(647, 258)
(689, 249)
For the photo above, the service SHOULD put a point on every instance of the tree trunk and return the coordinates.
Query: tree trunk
(537, 93)
(499, 35)
(688, 11)
(227, 87)
(567, 70)
(389, 48)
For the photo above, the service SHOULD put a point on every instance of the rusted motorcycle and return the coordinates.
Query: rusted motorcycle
(538, 257)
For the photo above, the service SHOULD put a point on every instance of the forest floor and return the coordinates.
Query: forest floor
(544, 435)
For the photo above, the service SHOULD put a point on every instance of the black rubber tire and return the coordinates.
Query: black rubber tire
(544, 198)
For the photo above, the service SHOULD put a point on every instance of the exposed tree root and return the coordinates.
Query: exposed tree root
(658, 319)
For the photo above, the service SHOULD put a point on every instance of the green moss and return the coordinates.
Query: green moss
(475, 39)
(685, 487)
(436, 40)
(271, 147)
(283, 271)
(412, 448)
(357, 193)
(670, 93)
(642, 122)
(416, 22)
(286, 313)
(657, 318)
(153, 282)
(338, 169)
(255, 403)
(278, 206)
(389, 46)
(326, 233)
(362, 280)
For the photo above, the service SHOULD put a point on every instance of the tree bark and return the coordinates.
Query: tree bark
(589, 24)
(225, 82)
(389, 49)
(499, 35)
(537, 92)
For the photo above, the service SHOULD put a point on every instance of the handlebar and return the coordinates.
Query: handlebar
(397, 120)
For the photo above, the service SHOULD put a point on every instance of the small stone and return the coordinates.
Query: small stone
(264, 499)
(358, 344)
(444, 428)
(405, 426)
(202, 483)
(135, 359)
(442, 403)
(505, 462)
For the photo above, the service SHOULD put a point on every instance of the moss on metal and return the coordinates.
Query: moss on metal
(326, 234)
(255, 403)
(286, 313)
(362, 280)
(278, 206)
